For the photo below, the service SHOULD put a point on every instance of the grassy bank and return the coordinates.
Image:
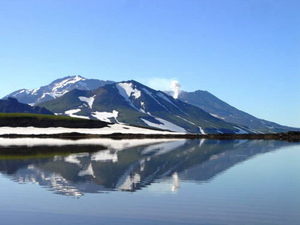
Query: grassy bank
(43, 121)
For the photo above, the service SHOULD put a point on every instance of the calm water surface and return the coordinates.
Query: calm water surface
(131, 182)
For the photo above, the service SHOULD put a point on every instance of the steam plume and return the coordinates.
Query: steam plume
(175, 87)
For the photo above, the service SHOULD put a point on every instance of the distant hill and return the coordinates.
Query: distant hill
(11, 105)
(222, 110)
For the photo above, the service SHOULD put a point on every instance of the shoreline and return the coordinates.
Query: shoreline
(288, 136)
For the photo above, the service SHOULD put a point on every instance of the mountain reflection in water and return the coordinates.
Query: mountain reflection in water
(73, 168)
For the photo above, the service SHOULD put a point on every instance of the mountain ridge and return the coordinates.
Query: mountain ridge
(203, 100)
(216, 107)
(56, 89)
(133, 103)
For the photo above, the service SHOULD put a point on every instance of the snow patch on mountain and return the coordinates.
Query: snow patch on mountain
(23, 91)
(71, 80)
(186, 120)
(143, 110)
(241, 131)
(60, 88)
(72, 112)
(150, 94)
(106, 116)
(34, 91)
(167, 98)
(89, 101)
(56, 89)
(201, 130)
(127, 90)
(215, 115)
(165, 125)
(110, 129)
(164, 97)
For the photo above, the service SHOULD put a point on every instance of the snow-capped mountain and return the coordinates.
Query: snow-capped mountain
(133, 103)
(56, 89)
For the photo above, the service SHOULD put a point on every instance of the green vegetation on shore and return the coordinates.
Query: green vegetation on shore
(43, 121)
(37, 116)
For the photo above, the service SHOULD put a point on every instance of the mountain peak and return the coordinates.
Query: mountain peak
(134, 82)
(138, 85)
(69, 79)
(77, 77)
(56, 89)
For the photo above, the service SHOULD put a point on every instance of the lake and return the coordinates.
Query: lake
(102, 181)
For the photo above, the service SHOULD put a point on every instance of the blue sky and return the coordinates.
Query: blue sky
(245, 52)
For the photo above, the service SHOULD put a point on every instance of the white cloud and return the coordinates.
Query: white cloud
(175, 86)
(163, 84)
